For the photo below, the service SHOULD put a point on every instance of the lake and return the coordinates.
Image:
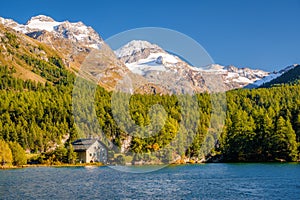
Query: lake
(203, 181)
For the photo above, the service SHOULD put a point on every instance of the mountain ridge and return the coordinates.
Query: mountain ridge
(74, 41)
(144, 58)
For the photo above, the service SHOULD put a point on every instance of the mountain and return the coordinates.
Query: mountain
(151, 69)
(72, 40)
(157, 65)
(160, 68)
(75, 32)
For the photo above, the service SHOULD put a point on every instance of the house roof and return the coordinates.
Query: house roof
(84, 144)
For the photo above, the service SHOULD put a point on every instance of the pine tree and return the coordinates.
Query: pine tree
(291, 142)
(72, 156)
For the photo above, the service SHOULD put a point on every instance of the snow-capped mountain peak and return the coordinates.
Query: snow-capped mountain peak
(76, 32)
(137, 46)
(157, 65)
(40, 18)
(143, 57)
(41, 22)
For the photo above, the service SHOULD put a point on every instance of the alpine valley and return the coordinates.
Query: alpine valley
(40, 60)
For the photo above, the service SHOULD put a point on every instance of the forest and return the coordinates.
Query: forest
(260, 124)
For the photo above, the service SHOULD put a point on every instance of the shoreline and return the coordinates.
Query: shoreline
(102, 165)
(57, 166)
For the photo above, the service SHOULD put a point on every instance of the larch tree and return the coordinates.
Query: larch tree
(5, 153)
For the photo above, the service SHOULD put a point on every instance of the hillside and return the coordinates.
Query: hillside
(260, 124)
(289, 77)
(32, 60)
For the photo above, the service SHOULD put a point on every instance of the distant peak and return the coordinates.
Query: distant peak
(41, 18)
(213, 67)
(141, 44)
(136, 46)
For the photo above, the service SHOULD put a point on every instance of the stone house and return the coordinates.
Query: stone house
(90, 150)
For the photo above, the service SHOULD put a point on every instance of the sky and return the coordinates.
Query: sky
(262, 34)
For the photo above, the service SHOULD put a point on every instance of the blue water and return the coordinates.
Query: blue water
(207, 181)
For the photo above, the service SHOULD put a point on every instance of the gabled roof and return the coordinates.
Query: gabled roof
(83, 144)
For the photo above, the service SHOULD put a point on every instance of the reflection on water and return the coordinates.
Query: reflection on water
(209, 181)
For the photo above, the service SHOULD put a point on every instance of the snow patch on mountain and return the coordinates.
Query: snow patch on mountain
(136, 46)
(272, 76)
(42, 22)
(232, 74)
(212, 68)
(266, 79)
(142, 57)
(144, 69)
(154, 62)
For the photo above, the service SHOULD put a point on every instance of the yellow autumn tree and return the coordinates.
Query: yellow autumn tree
(5, 153)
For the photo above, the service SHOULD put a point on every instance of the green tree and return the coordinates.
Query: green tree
(264, 130)
(61, 154)
(240, 137)
(284, 141)
(120, 160)
(72, 156)
(18, 154)
(291, 142)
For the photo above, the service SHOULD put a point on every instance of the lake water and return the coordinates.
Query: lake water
(207, 181)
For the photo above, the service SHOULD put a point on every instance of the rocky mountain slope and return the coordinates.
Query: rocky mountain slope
(149, 67)
(31, 59)
(72, 40)
(157, 65)
(75, 32)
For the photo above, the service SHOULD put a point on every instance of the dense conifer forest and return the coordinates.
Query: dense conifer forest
(261, 124)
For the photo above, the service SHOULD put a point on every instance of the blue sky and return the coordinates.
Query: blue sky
(261, 34)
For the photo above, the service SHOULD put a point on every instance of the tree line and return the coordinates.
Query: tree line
(260, 124)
